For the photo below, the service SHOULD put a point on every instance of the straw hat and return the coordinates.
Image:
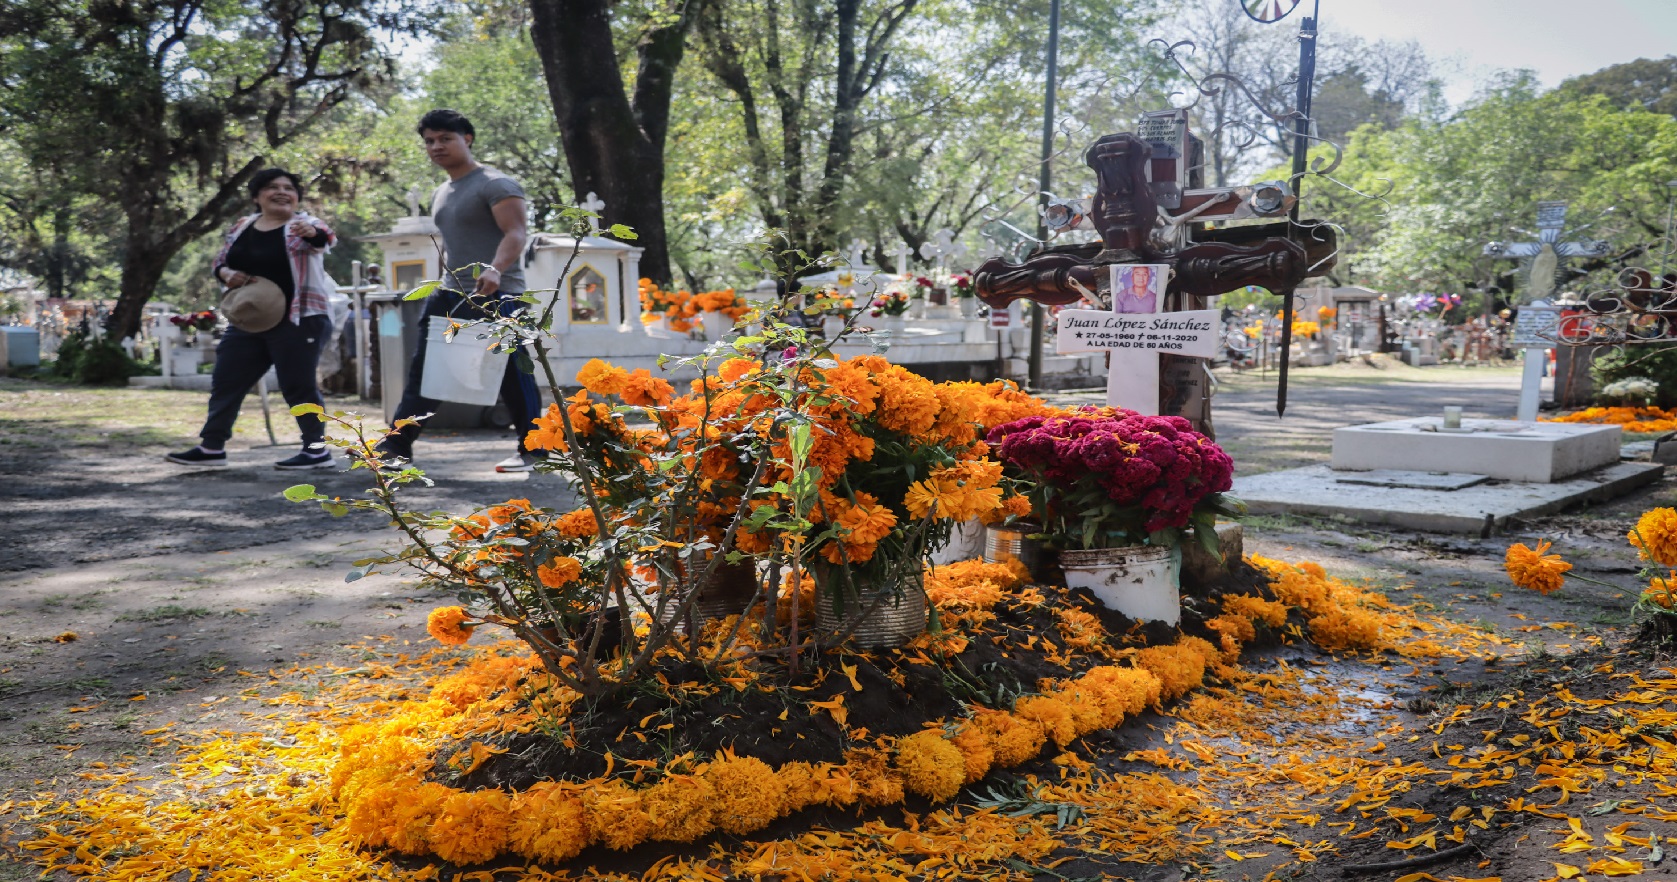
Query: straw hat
(255, 306)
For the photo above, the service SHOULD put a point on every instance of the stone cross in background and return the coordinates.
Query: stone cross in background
(901, 253)
(413, 201)
(943, 249)
(855, 260)
(1546, 255)
(593, 203)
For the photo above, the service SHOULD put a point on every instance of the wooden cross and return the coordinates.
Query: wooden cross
(943, 248)
(1134, 334)
(1546, 255)
(594, 204)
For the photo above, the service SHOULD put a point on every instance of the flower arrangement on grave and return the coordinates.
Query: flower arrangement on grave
(920, 287)
(1112, 478)
(1306, 329)
(1326, 314)
(679, 309)
(191, 324)
(1642, 420)
(891, 302)
(1654, 536)
(962, 286)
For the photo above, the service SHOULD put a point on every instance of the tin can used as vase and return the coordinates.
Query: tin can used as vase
(895, 621)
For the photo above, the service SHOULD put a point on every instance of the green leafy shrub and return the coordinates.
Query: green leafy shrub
(1657, 364)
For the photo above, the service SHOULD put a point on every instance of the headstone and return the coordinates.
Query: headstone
(901, 253)
(1135, 334)
(943, 249)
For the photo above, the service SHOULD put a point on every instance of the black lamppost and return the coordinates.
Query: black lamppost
(1034, 375)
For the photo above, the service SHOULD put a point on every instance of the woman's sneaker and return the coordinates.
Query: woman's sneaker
(197, 457)
(306, 460)
(518, 462)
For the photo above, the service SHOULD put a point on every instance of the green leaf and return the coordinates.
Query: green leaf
(335, 509)
(623, 231)
(526, 365)
(300, 493)
(302, 409)
(421, 292)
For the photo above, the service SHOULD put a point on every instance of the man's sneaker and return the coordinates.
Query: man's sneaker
(197, 457)
(318, 460)
(518, 462)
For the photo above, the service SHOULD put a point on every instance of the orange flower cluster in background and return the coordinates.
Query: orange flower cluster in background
(1306, 329)
(1326, 314)
(682, 307)
(1632, 419)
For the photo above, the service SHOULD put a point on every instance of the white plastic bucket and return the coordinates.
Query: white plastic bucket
(463, 369)
(1139, 581)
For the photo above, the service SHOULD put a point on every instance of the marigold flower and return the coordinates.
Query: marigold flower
(1051, 714)
(930, 765)
(976, 754)
(549, 823)
(472, 826)
(447, 625)
(1180, 669)
(748, 794)
(602, 378)
(681, 808)
(1658, 529)
(1535, 568)
(559, 572)
(579, 524)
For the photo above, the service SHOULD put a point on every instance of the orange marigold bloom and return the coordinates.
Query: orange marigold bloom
(601, 378)
(930, 765)
(559, 572)
(1051, 714)
(749, 796)
(505, 512)
(472, 826)
(1180, 669)
(1535, 568)
(734, 369)
(1655, 536)
(548, 823)
(579, 524)
(447, 625)
(976, 754)
(642, 389)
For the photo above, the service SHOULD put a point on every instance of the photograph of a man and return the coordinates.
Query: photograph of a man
(1139, 288)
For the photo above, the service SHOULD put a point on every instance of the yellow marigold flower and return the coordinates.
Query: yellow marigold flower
(472, 827)
(615, 814)
(413, 815)
(549, 433)
(641, 389)
(923, 496)
(601, 378)
(1130, 690)
(559, 572)
(1051, 714)
(748, 794)
(931, 766)
(1256, 609)
(549, 823)
(1347, 628)
(875, 783)
(735, 369)
(1014, 739)
(1180, 669)
(1659, 592)
(799, 787)
(1657, 528)
(1535, 568)
(976, 754)
(446, 625)
(681, 808)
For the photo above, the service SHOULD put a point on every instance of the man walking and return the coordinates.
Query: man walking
(480, 213)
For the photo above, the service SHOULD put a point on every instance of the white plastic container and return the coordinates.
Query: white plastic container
(462, 370)
(1139, 581)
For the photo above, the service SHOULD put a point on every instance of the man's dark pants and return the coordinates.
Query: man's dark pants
(518, 389)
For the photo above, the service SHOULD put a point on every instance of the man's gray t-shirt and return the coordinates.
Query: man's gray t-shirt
(462, 212)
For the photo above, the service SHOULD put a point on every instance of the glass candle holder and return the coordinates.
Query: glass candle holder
(1452, 416)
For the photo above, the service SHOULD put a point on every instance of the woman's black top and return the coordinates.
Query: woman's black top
(262, 253)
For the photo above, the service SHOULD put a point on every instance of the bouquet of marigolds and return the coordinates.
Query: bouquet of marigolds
(1112, 478)
(1655, 539)
(892, 302)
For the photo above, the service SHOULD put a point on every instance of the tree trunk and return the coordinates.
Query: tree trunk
(614, 148)
(143, 262)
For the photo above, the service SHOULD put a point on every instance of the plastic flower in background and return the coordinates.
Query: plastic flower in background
(1536, 569)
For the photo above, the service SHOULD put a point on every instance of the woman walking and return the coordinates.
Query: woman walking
(276, 308)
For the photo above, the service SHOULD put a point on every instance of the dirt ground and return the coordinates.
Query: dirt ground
(139, 594)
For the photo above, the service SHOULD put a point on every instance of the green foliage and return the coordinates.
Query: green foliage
(1658, 363)
(96, 361)
(1646, 84)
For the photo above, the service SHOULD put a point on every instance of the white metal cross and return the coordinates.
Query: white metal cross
(593, 203)
(943, 249)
